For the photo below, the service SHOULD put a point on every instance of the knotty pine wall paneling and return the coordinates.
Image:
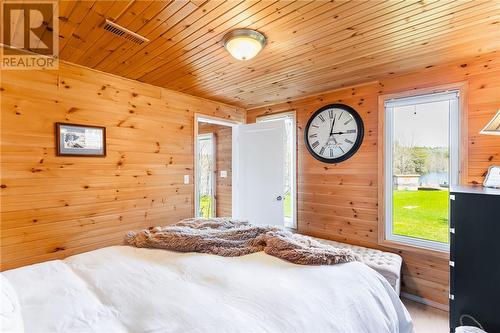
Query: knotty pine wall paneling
(340, 201)
(52, 206)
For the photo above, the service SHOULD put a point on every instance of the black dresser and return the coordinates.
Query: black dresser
(475, 256)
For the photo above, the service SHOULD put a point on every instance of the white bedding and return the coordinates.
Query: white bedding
(125, 289)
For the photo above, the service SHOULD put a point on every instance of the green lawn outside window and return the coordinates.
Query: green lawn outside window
(421, 214)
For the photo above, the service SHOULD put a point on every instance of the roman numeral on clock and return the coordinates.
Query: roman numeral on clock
(347, 122)
(313, 136)
(321, 117)
(351, 131)
(330, 113)
(348, 141)
(315, 144)
(322, 150)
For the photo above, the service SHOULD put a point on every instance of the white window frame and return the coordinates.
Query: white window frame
(455, 158)
(293, 191)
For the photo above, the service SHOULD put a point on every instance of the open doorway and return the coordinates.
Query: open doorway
(213, 167)
(247, 172)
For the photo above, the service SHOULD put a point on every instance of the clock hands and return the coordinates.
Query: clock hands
(331, 131)
(333, 124)
(332, 141)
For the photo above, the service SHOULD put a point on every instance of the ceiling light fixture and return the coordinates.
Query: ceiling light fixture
(244, 44)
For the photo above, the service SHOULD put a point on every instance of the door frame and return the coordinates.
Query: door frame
(199, 117)
(294, 196)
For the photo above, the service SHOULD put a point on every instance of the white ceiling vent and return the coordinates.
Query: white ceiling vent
(124, 32)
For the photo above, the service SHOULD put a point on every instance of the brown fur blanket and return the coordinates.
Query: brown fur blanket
(229, 238)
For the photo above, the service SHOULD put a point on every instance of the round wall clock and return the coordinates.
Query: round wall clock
(334, 133)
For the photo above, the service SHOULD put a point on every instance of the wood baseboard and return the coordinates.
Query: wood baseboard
(425, 301)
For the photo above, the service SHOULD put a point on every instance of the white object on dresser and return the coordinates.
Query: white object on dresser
(493, 177)
(469, 329)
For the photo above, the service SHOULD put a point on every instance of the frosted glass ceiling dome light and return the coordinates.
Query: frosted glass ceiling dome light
(244, 44)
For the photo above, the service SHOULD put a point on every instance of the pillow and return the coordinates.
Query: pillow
(10, 310)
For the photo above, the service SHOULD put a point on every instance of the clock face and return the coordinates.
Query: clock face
(334, 133)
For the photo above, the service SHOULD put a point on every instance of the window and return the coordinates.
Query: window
(289, 197)
(421, 162)
(205, 176)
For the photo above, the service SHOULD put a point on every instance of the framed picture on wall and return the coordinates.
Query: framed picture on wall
(80, 140)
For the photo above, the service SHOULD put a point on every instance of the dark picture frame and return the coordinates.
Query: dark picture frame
(80, 140)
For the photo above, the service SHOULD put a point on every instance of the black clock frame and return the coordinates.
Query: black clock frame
(359, 138)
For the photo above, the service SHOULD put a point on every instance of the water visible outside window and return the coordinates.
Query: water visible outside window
(421, 175)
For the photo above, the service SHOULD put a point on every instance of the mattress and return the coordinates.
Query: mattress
(126, 289)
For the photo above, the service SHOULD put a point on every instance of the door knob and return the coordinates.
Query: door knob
(279, 198)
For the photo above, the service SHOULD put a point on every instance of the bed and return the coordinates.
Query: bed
(126, 289)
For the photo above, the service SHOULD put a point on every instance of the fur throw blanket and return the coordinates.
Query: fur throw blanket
(229, 238)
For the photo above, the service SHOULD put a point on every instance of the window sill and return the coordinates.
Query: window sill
(414, 249)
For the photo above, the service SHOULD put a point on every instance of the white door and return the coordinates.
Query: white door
(258, 171)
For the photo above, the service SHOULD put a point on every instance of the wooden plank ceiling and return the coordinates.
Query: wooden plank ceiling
(313, 46)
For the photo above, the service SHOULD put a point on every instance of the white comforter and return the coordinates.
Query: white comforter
(125, 289)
